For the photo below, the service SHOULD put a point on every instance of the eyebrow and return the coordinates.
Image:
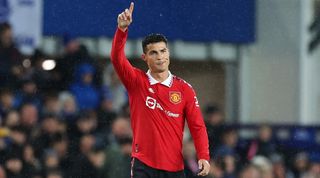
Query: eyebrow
(163, 49)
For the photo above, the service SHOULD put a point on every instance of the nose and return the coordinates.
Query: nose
(160, 56)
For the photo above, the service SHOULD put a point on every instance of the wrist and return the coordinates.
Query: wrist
(206, 161)
(123, 29)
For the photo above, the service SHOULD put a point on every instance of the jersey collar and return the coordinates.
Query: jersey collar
(167, 82)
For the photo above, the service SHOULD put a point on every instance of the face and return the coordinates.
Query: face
(29, 115)
(265, 133)
(86, 143)
(50, 125)
(157, 57)
(54, 176)
(231, 138)
(13, 119)
(30, 88)
(69, 105)
(7, 100)
(251, 172)
(6, 38)
(87, 78)
(14, 165)
(121, 128)
(2, 173)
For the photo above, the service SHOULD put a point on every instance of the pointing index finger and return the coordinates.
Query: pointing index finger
(131, 7)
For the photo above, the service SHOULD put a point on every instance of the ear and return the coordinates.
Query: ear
(143, 56)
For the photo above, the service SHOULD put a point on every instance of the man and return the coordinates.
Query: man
(159, 103)
(10, 57)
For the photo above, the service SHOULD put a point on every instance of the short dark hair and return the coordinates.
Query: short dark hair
(153, 38)
(4, 26)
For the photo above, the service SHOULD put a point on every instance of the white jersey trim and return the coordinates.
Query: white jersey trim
(167, 82)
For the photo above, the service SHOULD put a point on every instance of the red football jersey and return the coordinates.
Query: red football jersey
(158, 113)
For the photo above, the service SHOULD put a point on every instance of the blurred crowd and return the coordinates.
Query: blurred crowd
(74, 122)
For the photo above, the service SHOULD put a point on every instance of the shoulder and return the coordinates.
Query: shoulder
(184, 84)
(140, 76)
(139, 73)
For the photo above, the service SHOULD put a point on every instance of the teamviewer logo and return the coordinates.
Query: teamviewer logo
(151, 102)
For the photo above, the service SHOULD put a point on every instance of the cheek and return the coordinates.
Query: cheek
(150, 62)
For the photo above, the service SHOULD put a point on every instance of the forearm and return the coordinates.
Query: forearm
(200, 137)
(118, 46)
(196, 125)
(119, 60)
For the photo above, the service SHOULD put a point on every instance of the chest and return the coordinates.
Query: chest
(170, 100)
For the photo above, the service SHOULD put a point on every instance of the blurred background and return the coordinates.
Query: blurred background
(253, 63)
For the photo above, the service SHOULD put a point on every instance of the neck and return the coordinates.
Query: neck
(160, 76)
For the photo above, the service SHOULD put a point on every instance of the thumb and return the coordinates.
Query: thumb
(200, 165)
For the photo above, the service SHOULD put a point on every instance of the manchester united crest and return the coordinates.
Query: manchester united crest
(175, 97)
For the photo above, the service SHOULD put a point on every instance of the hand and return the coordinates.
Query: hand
(204, 167)
(125, 18)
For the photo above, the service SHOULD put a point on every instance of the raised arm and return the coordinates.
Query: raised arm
(122, 66)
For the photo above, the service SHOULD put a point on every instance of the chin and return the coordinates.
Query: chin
(161, 70)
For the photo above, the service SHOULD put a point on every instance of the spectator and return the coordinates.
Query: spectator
(6, 102)
(12, 119)
(264, 165)
(85, 125)
(51, 104)
(60, 146)
(68, 108)
(14, 167)
(118, 156)
(215, 126)
(86, 94)
(69, 112)
(54, 174)
(74, 55)
(106, 115)
(2, 172)
(263, 145)
(18, 139)
(190, 160)
(226, 154)
(32, 165)
(229, 144)
(280, 170)
(4, 143)
(28, 94)
(113, 90)
(250, 171)
(50, 129)
(215, 170)
(10, 57)
(300, 164)
(120, 129)
(314, 167)
(50, 161)
(90, 160)
(29, 118)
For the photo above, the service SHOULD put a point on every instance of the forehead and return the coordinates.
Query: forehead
(156, 46)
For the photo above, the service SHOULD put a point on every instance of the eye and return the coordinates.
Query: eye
(164, 50)
(153, 53)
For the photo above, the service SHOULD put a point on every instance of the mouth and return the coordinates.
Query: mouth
(161, 62)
